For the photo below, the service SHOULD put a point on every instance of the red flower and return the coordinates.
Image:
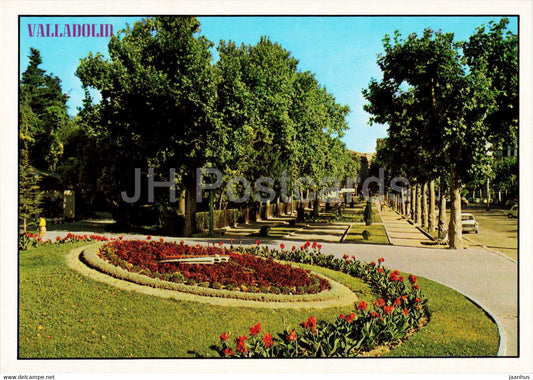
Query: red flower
(412, 279)
(224, 336)
(282, 246)
(149, 237)
(220, 243)
(350, 317)
(229, 351)
(257, 242)
(405, 311)
(310, 323)
(231, 241)
(374, 314)
(342, 316)
(292, 336)
(362, 305)
(345, 257)
(255, 330)
(380, 302)
(293, 248)
(393, 277)
(241, 346)
(268, 340)
(380, 260)
(380, 270)
(388, 309)
(397, 302)
(401, 278)
(314, 245)
(161, 239)
(319, 246)
(58, 238)
(416, 287)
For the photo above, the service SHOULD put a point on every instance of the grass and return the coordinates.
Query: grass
(377, 234)
(283, 230)
(63, 314)
(457, 327)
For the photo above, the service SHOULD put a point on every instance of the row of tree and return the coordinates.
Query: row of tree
(447, 104)
(166, 105)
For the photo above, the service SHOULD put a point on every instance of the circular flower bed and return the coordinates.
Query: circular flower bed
(242, 271)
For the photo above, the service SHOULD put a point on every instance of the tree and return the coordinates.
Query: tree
(275, 119)
(30, 195)
(43, 115)
(453, 106)
(157, 110)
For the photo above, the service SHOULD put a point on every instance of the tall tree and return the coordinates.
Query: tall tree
(454, 104)
(44, 114)
(157, 110)
(30, 195)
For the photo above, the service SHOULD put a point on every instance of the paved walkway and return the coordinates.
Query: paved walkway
(401, 232)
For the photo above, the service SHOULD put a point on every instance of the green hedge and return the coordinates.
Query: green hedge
(221, 218)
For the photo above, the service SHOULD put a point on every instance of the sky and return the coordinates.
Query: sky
(341, 51)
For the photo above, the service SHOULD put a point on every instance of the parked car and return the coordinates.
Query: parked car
(513, 212)
(469, 223)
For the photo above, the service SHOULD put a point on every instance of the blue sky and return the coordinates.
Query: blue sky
(340, 50)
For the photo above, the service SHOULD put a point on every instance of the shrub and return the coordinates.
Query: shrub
(26, 242)
(367, 214)
(265, 230)
(366, 234)
(177, 277)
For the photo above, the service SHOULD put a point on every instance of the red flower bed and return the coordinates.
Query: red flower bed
(246, 271)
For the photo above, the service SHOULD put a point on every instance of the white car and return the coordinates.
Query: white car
(513, 212)
(469, 223)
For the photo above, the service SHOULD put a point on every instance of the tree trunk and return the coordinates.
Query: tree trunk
(190, 210)
(455, 233)
(268, 210)
(424, 204)
(431, 222)
(418, 210)
(413, 196)
(442, 204)
(316, 203)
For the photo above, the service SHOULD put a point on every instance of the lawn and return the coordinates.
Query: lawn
(377, 234)
(63, 314)
(282, 230)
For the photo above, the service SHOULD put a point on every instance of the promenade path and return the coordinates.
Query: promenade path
(401, 232)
